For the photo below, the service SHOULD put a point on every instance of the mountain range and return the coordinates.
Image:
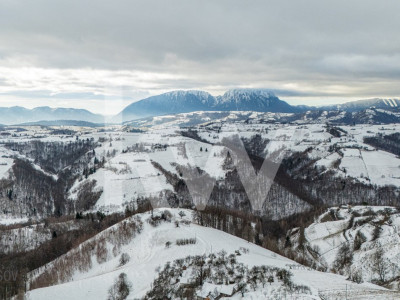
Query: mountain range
(356, 106)
(17, 115)
(259, 100)
(188, 101)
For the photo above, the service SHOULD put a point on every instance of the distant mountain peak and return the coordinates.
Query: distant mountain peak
(248, 92)
(261, 100)
(183, 95)
(359, 105)
(187, 92)
(247, 95)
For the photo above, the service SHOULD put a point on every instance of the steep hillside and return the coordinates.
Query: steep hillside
(361, 242)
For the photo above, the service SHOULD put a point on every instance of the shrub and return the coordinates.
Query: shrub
(356, 277)
(101, 251)
(344, 257)
(376, 233)
(182, 242)
(121, 288)
(124, 259)
(359, 240)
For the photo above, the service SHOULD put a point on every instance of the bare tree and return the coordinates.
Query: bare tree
(380, 265)
(242, 288)
(120, 289)
(344, 257)
(124, 259)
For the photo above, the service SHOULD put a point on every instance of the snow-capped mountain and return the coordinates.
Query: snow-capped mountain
(17, 114)
(257, 100)
(189, 101)
(167, 103)
(252, 100)
(359, 105)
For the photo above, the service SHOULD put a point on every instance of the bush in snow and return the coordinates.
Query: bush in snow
(376, 232)
(359, 240)
(356, 277)
(101, 251)
(124, 259)
(181, 278)
(120, 289)
(183, 242)
(344, 258)
(156, 220)
(270, 279)
(285, 276)
(381, 266)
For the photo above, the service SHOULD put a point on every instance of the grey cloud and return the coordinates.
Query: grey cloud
(214, 45)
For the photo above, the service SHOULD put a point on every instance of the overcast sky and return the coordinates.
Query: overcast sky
(102, 55)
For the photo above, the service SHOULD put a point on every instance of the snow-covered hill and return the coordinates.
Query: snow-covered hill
(94, 172)
(125, 163)
(368, 236)
(88, 271)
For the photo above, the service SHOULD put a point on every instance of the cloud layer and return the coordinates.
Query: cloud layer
(125, 50)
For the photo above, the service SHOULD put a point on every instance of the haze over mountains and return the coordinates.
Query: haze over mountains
(18, 115)
(259, 100)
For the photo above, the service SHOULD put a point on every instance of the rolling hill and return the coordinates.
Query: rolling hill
(88, 273)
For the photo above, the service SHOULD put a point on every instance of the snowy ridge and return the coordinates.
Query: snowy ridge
(237, 95)
(352, 106)
(201, 95)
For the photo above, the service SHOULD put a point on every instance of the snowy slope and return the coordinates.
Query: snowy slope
(366, 229)
(148, 252)
(129, 172)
